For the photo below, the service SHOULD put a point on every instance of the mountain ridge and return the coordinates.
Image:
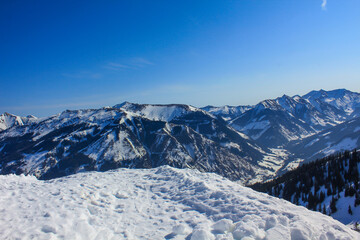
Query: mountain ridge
(263, 141)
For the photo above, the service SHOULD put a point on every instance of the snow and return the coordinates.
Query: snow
(153, 204)
(157, 112)
(342, 206)
(293, 164)
(263, 125)
(34, 160)
(117, 146)
(274, 160)
(344, 144)
(8, 120)
(228, 111)
(339, 98)
(312, 142)
(162, 113)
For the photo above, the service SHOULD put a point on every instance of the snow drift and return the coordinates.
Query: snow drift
(153, 204)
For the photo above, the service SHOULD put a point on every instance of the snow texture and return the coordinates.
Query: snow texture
(160, 203)
(154, 112)
(345, 144)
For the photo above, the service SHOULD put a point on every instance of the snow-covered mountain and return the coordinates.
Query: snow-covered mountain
(275, 122)
(347, 102)
(128, 135)
(242, 143)
(8, 120)
(155, 112)
(288, 125)
(160, 203)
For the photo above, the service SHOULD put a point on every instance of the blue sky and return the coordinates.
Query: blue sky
(57, 55)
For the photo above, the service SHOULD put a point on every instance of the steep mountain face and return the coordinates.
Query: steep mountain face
(271, 124)
(128, 135)
(8, 120)
(209, 126)
(330, 185)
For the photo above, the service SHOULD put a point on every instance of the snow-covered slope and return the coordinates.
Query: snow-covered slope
(135, 136)
(344, 100)
(345, 136)
(158, 112)
(329, 185)
(161, 203)
(271, 124)
(8, 120)
(227, 112)
(275, 122)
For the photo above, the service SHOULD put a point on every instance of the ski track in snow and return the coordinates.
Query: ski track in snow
(161, 203)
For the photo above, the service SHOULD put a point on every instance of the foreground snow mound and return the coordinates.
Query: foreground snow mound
(161, 203)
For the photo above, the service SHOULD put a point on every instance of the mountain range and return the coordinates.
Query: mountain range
(245, 143)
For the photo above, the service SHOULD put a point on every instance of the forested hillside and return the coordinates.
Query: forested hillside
(329, 185)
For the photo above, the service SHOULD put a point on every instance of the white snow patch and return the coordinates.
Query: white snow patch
(312, 142)
(152, 204)
(293, 164)
(274, 161)
(345, 144)
(262, 126)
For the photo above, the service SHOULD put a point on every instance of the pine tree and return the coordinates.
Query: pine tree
(329, 192)
(357, 200)
(333, 205)
(322, 196)
(349, 210)
(324, 209)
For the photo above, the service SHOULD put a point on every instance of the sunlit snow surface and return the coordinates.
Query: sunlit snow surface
(161, 203)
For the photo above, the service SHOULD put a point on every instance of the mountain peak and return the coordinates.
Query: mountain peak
(337, 93)
(158, 112)
(120, 105)
(8, 114)
(8, 120)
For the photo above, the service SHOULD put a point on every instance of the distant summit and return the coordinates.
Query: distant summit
(8, 120)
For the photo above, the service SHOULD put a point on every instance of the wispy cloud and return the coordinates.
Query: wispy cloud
(116, 66)
(323, 5)
(132, 63)
(140, 62)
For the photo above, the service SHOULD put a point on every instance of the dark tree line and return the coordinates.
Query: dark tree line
(311, 183)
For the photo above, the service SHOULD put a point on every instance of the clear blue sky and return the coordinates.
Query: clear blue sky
(57, 55)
